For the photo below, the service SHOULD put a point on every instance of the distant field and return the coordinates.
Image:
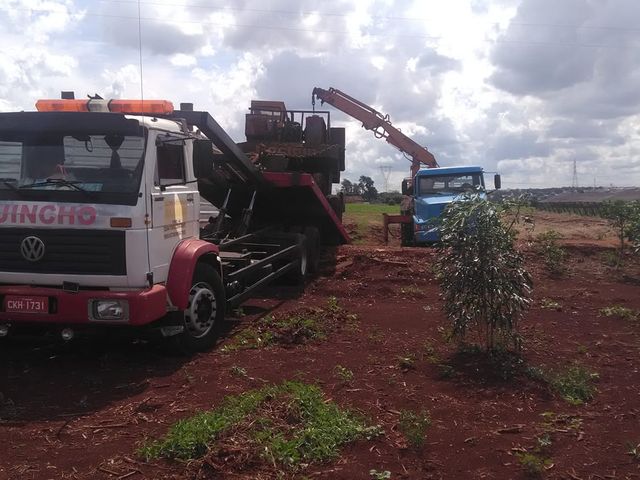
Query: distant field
(370, 208)
(360, 217)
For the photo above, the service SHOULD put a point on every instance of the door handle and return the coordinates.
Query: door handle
(158, 199)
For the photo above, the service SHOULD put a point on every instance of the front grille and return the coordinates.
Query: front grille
(83, 252)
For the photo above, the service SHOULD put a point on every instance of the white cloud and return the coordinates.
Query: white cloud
(182, 60)
(488, 82)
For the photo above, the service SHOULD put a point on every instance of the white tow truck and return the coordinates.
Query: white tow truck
(100, 220)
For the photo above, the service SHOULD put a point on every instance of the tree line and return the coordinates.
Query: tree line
(365, 187)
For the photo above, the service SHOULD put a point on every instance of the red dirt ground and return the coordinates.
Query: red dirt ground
(79, 411)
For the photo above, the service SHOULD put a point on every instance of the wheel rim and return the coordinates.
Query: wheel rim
(200, 315)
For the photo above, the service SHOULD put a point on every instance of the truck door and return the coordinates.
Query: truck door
(174, 214)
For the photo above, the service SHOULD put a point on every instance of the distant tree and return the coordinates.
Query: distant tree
(368, 191)
(390, 198)
(347, 187)
(624, 218)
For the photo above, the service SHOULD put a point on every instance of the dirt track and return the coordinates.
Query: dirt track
(80, 411)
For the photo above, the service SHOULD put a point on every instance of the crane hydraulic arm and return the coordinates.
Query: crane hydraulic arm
(378, 123)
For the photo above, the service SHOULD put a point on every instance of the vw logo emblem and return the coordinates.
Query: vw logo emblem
(32, 249)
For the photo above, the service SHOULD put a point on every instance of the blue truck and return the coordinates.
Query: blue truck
(429, 193)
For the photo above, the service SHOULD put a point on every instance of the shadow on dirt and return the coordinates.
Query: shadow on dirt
(44, 378)
(502, 370)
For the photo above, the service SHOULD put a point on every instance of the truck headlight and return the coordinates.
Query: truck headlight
(109, 310)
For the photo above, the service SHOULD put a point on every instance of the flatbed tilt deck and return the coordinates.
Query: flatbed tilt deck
(100, 218)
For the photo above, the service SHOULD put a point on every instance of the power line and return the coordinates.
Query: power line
(309, 30)
(378, 17)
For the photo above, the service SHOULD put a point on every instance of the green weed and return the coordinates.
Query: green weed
(533, 464)
(343, 374)
(544, 441)
(414, 426)
(552, 253)
(238, 371)
(550, 304)
(634, 450)
(620, 312)
(429, 353)
(574, 384)
(294, 327)
(407, 361)
(376, 475)
(411, 290)
(288, 426)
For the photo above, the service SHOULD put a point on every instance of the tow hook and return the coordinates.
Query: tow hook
(4, 330)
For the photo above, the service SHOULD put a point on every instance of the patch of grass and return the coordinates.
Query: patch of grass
(561, 422)
(550, 304)
(413, 426)
(407, 361)
(376, 475)
(238, 371)
(429, 353)
(369, 209)
(343, 374)
(553, 254)
(287, 426)
(376, 336)
(294, 327)
(620, 312)
(533, 465)
(544, 441)
(582, 349)
(411, 290)
(574, 384)
(364, 215)
(445, 371)
(634, 450)
(611, 258)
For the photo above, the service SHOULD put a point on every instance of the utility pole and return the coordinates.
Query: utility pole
(574, 180)
(385, 170)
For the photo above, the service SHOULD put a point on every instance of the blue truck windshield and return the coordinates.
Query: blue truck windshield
(110, 163)
(447, 184)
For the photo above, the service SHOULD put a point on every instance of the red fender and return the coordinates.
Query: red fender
(183, 264)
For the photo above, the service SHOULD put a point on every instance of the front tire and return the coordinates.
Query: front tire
(204, 314)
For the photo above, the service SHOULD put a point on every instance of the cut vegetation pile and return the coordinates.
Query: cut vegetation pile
(294, 327)
(277, 428)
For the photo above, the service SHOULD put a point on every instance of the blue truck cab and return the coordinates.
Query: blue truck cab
(430, 191)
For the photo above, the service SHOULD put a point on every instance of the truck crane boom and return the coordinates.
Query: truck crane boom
(378, 123)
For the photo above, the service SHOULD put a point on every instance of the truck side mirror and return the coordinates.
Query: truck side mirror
(202, 158)
(497, 182)
(407, 187)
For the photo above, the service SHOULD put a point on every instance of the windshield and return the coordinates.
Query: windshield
(110, 163)
(445, 184)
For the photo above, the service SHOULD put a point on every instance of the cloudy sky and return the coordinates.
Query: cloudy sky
(523, 87)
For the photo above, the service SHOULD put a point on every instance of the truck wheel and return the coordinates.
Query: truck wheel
(204, 313)
(312, 239)
(298, 274)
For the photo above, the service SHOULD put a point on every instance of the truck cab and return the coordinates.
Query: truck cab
(431, 190)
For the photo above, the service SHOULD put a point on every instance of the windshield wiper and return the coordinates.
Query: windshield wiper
(57, 181)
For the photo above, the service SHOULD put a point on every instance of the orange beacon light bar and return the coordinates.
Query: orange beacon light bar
(158, 107)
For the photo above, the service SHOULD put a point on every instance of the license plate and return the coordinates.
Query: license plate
(20, 304)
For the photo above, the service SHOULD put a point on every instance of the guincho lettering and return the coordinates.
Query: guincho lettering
(49, 214)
